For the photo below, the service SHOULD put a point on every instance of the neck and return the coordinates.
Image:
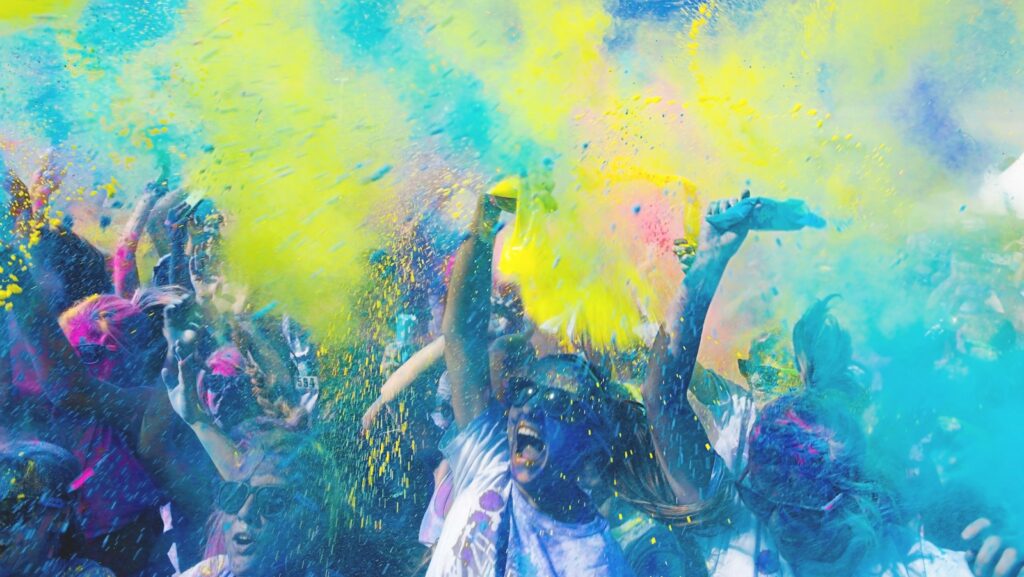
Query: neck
(563, 501)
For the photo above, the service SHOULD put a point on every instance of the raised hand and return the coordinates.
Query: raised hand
(722, 245)
(183, 389)
(45, 182)
(988, 554)
(370, 416)
(486, 219)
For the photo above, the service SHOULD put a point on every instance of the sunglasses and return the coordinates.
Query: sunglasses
(93, 354)
(764, 506)
(558, 403)
(267, 501)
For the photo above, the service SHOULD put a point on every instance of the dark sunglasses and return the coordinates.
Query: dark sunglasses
(558, 403)
(93, 354)
(764, 506)
(267, 501)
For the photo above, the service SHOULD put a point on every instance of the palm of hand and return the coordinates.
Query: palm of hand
(725, 243)
(182, 389)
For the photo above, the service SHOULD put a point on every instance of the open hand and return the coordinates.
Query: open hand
(988, 554)
(183, 390)
(366, 422)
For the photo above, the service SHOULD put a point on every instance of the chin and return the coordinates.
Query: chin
(244, 559)
(528, 470)
(529, 454)
(242, 565)
(526, 475)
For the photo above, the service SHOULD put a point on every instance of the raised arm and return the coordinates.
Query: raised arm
(126, 268)
(65, 381)
(399, 380)
(680, 440)
(466, 316)
(45, 182)
(183, 391)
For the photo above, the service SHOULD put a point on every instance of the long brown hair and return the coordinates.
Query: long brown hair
(635, 475)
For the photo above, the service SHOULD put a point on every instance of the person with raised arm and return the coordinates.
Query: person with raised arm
(124, 263)
(518, 506)
(809, 504)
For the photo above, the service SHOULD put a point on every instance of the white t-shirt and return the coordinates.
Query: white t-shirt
(917, 557)
(492, 530)
(745, 549)
(728, 413)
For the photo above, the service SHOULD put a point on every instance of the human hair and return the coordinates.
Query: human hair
(519, 353)
(46, 472)
(824, 355)
(41, 469)
(226, 360)
(80, 266)
(135, 324)
(809, 451)
(633, 471)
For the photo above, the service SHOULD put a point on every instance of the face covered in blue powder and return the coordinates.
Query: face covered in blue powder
(552, 424)
(797, 480)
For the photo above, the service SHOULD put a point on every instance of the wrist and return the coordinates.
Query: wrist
(709, 262)
(484, 232)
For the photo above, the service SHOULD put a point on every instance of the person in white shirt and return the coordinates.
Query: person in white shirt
(813, 508)
(517, 507)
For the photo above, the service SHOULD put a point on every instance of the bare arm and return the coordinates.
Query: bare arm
(126, 267)
(680, 440)
(182, 390)
(399, 380)
(167, 211)
(466, 316)
(45, 182)
(65, 381)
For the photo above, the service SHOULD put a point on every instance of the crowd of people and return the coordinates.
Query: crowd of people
(173, 428)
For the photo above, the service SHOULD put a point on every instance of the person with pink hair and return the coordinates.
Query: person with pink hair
(226, 388)
(124, 264)
(67, 265)
(99, 363)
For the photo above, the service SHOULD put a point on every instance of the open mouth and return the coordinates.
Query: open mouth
(529, 445)
(243, 541)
